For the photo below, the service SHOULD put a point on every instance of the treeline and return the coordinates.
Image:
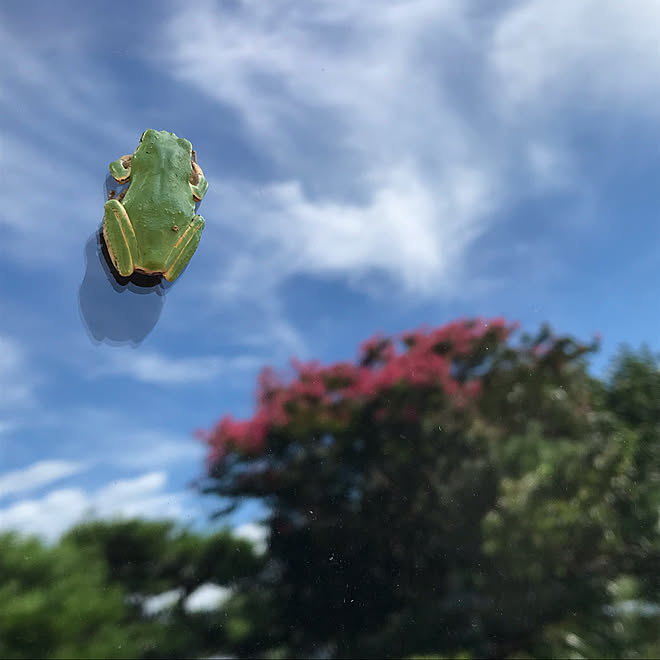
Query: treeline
(462, 491)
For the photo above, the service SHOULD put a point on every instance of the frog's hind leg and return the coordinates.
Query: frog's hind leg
(184, 249)
(119, 237)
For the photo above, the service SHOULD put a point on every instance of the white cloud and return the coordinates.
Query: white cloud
(141, 496)
(37, 475)
(120, 439)
(67, 118)
(151, 449)
(56, 511)
(602, 53)
(125, 490)
(400, 134)
(279, 64)
(18, 381)
(38, 190)
(14, 381)
(405, 186)
(155, 368)
(47, 516)
(394, 230)
(70, 97)
(275, 335)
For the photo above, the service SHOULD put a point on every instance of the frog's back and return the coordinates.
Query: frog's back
(159, 200)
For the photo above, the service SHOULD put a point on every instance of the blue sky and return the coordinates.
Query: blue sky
(373, 166)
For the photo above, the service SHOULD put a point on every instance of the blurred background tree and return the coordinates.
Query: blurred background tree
(454, 492)
(93, 594)
(56, 602)
(450, 492)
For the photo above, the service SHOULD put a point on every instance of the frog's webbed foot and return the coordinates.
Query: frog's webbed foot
(121, 168)
(119, 237)
(198, 183)
(184, 248)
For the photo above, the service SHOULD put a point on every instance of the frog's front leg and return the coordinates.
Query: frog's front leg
(198, 183)
(184, 249)
(119, 237)
(121, 168)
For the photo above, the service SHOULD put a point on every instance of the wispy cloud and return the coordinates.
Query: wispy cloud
(410, 166)
(156, 368)
(14, 383)
(400, 189)
(38, 475)
(395, 230)
(18, 381)
(286, 67)
(122, 440)
(151, 449)
(56, 511)
(387, 155)
(52, 127)
(589, 54)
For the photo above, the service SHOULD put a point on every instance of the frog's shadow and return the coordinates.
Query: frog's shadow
(124, 312)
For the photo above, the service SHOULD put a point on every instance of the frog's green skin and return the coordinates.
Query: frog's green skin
(154, 229)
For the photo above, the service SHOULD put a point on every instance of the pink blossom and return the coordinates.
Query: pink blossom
(473, 388)
(331, 392)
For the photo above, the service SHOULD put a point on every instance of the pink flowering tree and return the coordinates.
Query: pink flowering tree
(396, 485)
(441, 364)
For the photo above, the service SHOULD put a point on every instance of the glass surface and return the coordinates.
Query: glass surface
(392, 186)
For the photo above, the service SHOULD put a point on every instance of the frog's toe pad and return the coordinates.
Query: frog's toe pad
(121, 168)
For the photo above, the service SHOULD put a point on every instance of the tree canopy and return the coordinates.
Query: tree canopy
(451, 491)
(87, 595)
(462, 491)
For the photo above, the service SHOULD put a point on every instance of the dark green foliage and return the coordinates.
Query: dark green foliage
(452, 495)
(84, 596)
(408, 519)
(151, 557)
(57, 603)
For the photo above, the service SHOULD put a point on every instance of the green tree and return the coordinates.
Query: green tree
(85, 596)
(148, 558)
(449, 492)
(632, 393)
(57, 603)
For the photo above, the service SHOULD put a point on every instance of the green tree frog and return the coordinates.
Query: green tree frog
(152, 227)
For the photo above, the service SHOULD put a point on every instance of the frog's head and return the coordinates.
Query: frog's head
(163, 142)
